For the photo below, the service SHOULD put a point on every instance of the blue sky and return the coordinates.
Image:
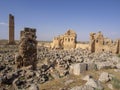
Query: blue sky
(55, 17)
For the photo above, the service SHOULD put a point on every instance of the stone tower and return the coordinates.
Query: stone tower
(11, 29)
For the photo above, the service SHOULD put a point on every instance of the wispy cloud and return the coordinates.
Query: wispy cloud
(3, 24)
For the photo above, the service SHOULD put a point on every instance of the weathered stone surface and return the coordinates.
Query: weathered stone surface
(87, 77)
(50, 61)
(99, 44)
(105, 77)
(78, 68)
(118, 66)
(33, 87)
(95, 84)
(85, 87)
(91, 66)
(27, 49)
(104, 65)
(66, 41)
(110, 86)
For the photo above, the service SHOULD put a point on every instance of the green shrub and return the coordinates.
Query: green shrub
(116, 83)
(119, 55)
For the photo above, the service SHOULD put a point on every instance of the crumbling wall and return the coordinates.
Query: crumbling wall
(66, 41)
(82, 45)
(99, 44)
(70, 39)
(92, 42)
(27, 48)
(57, 42)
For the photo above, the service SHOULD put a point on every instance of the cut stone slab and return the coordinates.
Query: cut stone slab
(78, 68)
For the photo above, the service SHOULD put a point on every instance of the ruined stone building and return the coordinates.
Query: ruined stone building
(27, 48)
(99, 43)
(11, 29)
(66, 41)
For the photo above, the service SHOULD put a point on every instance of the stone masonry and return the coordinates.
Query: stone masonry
(27, 49)
(99, 44)
(66, 41)
(11, 29)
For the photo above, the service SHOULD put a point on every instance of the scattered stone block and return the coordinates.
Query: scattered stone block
(78, 68)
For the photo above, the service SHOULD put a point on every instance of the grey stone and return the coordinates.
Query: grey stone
(110, 86)
(87, 77)
(33, 87)
(118, 66)
(78, 68)
(95, 84)
(104, 65)
(85, 87)
(104, 77)
(91, 66)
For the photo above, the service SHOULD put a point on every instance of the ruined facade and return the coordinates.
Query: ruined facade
(11, 29)
(27, 48)
(66, 41)
(98, 43)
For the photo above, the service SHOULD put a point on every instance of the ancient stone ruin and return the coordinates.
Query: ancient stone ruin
(99, 44)
(66, 41)
(27, 48)
(11, 29)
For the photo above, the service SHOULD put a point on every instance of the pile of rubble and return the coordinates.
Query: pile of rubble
(52, 64)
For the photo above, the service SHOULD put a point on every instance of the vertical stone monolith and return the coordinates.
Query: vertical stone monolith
(11, 29)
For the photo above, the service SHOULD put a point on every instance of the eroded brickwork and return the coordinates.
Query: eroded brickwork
(27, 48)
(66, 41)
(98, 43)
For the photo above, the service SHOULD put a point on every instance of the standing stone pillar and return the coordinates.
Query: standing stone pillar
(118, 47)
(27, 55)
(92, 42)
(11, 29)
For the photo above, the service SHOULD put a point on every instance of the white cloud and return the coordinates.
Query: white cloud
(3, 24)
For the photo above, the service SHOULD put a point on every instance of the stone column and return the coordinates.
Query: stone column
(11, 29)
(92, 42)
(119, 46)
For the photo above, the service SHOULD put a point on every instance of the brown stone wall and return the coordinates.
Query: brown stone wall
(56, 42)
(66, 41)
(69, 42)
(99, 44)
(27, 49)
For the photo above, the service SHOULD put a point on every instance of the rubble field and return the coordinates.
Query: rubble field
(76, 69)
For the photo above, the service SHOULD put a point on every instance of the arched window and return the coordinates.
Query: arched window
(68, 39)
(65, 39)
(96, 41)
(72, 39)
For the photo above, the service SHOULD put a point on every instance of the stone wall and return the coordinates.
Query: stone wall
(99, 44)
(66, 41)
(82, 45)
(27, 48)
